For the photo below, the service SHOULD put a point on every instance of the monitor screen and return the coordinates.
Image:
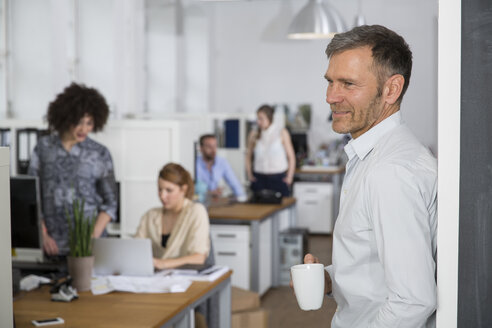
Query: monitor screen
(25, 212)
(299, 142)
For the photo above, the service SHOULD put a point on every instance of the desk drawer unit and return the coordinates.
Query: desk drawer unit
(314, 206)
(231, 248)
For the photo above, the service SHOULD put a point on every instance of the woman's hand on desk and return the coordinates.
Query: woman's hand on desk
(174, 263)
(160, 264)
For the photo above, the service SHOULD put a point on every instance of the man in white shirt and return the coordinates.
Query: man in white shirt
(384, 241)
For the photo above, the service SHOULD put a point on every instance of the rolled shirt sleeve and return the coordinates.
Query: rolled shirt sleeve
(106, 186)
(232, 180)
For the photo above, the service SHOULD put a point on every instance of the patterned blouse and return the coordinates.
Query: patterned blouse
(86, 172)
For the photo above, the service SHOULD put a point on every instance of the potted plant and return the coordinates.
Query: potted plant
(80, 259)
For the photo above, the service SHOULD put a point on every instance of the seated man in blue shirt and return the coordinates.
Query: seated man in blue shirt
(211, 169)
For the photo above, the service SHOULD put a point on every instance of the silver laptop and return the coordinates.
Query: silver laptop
(127, 257)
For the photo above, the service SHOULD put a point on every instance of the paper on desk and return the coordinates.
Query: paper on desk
(154, 284)
(31, 282)
(210, 274)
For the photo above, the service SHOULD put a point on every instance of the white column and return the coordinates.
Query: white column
(64, 54)
(449, 111)
(195, 60)
(129, 66)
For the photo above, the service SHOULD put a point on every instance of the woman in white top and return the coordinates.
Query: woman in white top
(270, 158)
(179, 230)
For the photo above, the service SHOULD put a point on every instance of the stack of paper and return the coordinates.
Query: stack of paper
(154, 284)
(165, 281)
(210, 274)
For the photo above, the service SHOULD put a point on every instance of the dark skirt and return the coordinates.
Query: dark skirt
(271, 181)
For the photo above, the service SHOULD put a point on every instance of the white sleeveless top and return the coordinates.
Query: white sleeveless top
(270, 156)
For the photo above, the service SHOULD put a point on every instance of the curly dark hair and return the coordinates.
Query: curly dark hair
(72, 104)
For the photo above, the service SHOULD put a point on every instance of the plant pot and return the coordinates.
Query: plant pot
(80, 269)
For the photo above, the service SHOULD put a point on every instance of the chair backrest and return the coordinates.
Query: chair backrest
(210, 260)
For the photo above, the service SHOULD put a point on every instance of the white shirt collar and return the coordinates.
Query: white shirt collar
(366, 142)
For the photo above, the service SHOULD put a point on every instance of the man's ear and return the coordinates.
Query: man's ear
(184, 188)
(393, 88)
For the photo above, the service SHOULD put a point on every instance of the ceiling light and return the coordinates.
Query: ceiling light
(315, 21)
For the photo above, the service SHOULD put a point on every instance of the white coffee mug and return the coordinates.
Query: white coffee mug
(309, 285)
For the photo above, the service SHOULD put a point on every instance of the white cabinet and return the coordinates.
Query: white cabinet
(232, 247)
(314, 206)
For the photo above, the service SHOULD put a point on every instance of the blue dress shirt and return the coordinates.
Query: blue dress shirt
(220, 170)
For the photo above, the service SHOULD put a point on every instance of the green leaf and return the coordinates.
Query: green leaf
(80, 229)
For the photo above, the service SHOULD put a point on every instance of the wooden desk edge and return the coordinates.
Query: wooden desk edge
(286, 203)
(195, 293)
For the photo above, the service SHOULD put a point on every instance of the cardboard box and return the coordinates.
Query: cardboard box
(244, 300)
(250, 319)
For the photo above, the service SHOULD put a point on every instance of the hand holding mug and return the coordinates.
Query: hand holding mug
(308, 281)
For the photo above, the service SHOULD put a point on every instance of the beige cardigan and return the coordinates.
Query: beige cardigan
(189, 235)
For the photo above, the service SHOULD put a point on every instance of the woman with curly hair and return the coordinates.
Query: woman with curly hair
(70, 165)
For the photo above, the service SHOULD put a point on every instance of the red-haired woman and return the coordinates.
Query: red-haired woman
(179, 230)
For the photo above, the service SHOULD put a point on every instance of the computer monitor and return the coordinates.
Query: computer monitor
(25, 219)
(300, 143)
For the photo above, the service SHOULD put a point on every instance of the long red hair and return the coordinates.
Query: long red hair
(177, 174)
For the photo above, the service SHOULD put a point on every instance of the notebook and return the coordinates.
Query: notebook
(127, 257)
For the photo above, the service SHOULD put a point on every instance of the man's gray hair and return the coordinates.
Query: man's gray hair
(391, 54)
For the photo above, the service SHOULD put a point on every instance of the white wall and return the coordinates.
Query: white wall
(154, 57)
(254, 63)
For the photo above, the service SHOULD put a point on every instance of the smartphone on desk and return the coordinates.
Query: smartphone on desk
(48, 322)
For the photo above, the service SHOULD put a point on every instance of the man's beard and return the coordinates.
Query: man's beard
(208, 158)
(358, 117)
